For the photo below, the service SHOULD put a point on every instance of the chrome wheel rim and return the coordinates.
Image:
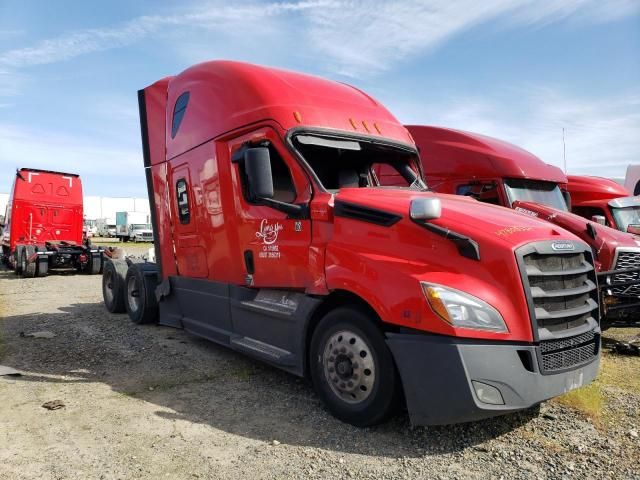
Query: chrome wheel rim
(349, 367)
(133, 294)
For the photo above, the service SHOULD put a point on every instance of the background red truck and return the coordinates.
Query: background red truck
(274, 238)
(500, 173)
(604, 201)
(44, 225)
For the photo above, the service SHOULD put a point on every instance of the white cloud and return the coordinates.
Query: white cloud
(105, 168)
(350, 36)
(219, 17)
(601, 135)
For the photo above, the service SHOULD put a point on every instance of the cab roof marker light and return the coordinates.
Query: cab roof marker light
(375, 125)
(297, 116)
(364, 124)
(353, 123)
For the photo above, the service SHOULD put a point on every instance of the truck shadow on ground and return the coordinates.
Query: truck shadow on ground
(197, 381)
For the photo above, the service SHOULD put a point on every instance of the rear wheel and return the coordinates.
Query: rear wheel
(141, 303)
(28, 268)
(17, 259)
(95, 264)
(352, 368)
(113, 280)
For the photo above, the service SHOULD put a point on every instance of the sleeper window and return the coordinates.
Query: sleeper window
(182, 196)
(178, 112)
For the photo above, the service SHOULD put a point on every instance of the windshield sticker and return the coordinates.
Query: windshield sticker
(268, 233)
(511, 230)
(526, 212)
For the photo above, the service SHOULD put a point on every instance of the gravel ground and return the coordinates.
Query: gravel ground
(154, 402)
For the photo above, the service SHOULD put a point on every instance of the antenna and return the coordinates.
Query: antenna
(564, 152)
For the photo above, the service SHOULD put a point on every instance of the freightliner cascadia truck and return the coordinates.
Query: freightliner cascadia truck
(274, 238)
(496, 172)
(44, 224)
(604, 201)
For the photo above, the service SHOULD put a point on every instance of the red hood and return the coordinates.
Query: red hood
(479, 221)
(606, 239)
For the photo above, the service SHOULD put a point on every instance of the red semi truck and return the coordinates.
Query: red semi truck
(499, 173)
(274, 238)
(44, 225)
(604, 201)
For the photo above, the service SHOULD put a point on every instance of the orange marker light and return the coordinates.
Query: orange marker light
(297, 116)
(375, 125)
(436, 303)
(353, 124)
(364, 124)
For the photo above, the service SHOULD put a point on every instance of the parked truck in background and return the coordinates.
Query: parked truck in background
(133, 226)
(496, 172)
(106, 227)
(604, 201)
(274, 238)
(43, 227)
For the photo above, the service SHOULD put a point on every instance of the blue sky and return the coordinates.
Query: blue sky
(519, 70)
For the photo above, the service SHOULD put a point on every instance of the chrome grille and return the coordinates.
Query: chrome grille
(562, 288)
(626, 259)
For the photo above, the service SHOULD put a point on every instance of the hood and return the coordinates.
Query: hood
(602, 239)
(481, 222)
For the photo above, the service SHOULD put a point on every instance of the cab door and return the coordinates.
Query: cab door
(273, 245)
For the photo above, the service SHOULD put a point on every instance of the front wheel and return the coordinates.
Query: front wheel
(352, 368)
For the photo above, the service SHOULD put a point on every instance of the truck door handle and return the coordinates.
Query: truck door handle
(248, 262)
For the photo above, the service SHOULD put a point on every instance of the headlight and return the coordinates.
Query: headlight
(462, 310)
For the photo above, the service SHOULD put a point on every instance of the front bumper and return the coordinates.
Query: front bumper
(437, 374)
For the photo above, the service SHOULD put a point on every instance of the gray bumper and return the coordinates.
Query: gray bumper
(437, 374)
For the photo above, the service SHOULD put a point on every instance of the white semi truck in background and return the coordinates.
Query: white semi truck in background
(134, 226)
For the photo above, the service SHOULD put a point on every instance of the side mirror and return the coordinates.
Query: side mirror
(257, 164)
(567, 199)
(633, 228)
(425, 209)
(599, 219)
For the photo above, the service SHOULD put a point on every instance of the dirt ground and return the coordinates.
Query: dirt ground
(154, 402)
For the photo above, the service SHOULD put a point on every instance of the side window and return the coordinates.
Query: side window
(589, 212)
(178, 113)
(283, 188)
(483, 192)
(182, 196)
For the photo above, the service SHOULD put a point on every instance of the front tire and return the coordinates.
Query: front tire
(352, 368)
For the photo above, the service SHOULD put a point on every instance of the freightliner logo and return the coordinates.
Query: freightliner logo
(563, 246)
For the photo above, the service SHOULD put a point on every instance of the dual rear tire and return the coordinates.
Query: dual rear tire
(131, 288)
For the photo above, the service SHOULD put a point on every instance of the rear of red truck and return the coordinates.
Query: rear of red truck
(44, 225)
(274, 237)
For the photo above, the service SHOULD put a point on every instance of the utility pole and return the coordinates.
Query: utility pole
(564, 152)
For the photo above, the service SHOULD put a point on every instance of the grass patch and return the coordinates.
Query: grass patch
(588, 400)
(617, 372)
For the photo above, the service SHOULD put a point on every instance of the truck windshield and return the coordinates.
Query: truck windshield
(545, 193)
(141, 226)
(626, 216)
(356, 163)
